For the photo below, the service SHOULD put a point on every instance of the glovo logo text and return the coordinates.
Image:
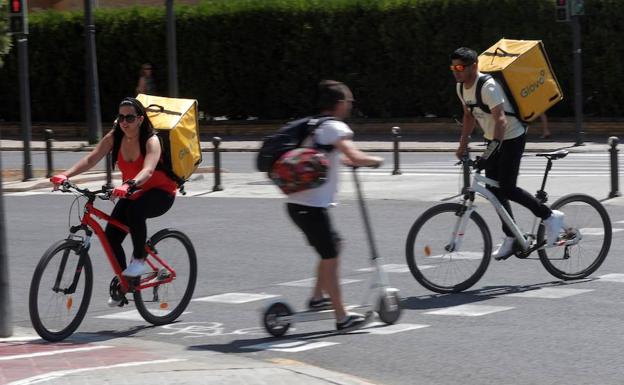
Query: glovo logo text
(528, 90)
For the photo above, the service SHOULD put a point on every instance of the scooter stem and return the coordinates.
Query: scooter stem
(367, 225)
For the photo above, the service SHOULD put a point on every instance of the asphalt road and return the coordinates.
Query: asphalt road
(522, 326)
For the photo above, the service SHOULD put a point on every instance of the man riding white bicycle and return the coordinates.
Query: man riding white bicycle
(505, 136)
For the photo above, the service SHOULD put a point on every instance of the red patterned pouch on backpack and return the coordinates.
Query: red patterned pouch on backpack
(300, 169)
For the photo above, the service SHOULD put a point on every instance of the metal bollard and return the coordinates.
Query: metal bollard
(216, 141)
(396, 135)
(48, 134)
(615, 188)
(466, 171)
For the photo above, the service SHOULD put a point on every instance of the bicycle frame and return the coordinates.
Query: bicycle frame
(478, 185)
(90, 225)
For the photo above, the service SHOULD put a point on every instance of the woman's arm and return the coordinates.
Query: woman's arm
(86, 163)
(152, 156)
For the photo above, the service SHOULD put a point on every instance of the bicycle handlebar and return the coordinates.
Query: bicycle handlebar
(104, 193)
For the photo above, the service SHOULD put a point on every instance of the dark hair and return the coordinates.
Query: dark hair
(145, 131)
(330, 92)
(466, 55)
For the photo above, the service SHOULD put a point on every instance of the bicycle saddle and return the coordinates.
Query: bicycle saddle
(553, 155)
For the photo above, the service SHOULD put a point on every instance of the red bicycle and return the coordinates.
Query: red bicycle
(60, 290)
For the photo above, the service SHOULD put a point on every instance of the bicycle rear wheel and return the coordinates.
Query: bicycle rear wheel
(586, 218)
(60, 290)
(431, 259)
(165, 302)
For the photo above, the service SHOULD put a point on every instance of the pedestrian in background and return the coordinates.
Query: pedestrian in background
(308, 208)
(545, 131)
(146, 83)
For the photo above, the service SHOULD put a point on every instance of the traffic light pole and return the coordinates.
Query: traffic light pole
(24, 89)
(94, 117)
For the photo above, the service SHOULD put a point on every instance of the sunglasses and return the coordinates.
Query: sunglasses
(130, 118)
(460, 67)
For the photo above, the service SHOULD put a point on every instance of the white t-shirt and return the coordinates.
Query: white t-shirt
(492, 95)
(329, 132)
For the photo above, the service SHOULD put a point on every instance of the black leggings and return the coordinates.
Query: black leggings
(504, 167)
(134, 213)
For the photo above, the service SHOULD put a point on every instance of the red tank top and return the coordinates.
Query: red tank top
(159, 179)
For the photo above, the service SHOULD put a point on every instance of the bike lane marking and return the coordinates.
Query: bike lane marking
(614, 277)
(292, 346)
(41, 361)
(49, 353)
(470, 310)
(389, 268)
(61, 373)
(549, 293)
(131, 315)
(310, 282)
(235, 298)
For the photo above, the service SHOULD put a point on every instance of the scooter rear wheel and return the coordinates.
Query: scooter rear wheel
(274, 326)
(389, 309)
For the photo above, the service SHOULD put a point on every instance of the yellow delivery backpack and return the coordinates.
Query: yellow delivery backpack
(522, 68)
(175, 122)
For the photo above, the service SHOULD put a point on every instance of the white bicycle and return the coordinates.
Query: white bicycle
(449, 246)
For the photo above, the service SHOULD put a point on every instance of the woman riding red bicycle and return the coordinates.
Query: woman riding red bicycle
(146, 192)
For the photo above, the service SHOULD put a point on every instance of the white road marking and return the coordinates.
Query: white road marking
(52, 352)
(469, 310)
(389, 268)
(61, 373)
(381, 328)
(471, 255)
(133, 315)
(235, 298)
(310, 282)
(295, 346)
(550, 293)
(615, 277)
(19, 339)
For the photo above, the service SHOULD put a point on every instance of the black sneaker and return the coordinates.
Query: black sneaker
(319, 304)
(353, 322)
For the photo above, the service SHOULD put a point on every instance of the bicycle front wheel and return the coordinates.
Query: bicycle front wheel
(587, 221)
(60, 290)
(432, 258)
(164, 303)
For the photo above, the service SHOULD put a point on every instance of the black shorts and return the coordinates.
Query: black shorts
(316, 225)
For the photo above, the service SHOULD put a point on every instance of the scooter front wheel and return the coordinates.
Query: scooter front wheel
(272, 324)
(389, 309)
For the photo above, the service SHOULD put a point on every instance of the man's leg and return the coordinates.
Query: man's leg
(510, 156)
(328, 277)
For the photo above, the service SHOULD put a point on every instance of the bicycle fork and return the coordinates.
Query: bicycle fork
(457, 236)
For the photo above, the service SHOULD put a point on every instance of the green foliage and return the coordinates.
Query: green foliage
(264, 58)
(5, 40)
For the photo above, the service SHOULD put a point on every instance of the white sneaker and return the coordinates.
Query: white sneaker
(137, 268)
(554, 224)
(113, 303)
(505, 249)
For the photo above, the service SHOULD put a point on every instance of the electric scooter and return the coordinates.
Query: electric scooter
(279, 316)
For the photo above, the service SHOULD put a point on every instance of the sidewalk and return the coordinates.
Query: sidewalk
(131, 361)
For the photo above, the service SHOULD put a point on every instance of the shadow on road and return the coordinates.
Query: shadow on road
(437, 301)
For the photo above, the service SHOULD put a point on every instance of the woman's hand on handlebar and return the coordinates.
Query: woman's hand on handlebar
(125, 190)
(57, 180)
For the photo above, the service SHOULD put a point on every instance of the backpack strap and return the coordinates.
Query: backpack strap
(479, 96)
(313, 124)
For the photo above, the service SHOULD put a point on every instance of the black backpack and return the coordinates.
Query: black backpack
(480, 82)
(288, 138)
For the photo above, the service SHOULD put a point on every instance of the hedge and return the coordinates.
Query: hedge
(5, 42)
(263, 58)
